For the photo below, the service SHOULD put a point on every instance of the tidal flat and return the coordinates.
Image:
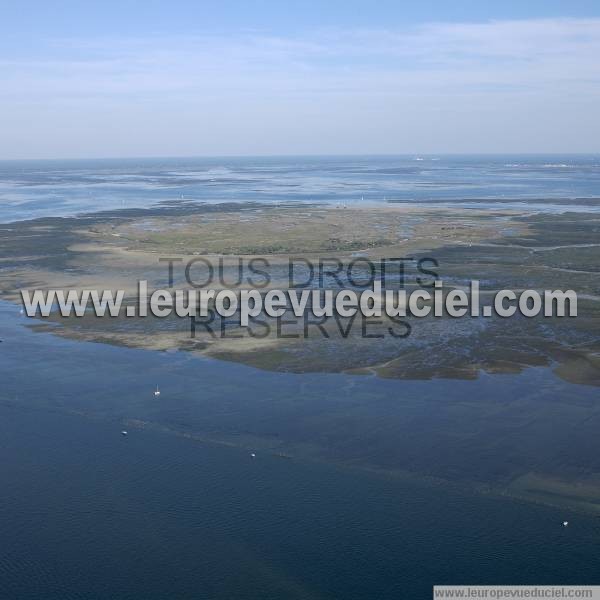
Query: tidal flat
(536, 441)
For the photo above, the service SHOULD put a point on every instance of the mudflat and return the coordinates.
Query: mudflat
(502, 249)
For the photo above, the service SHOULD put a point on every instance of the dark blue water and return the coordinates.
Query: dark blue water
(41, 188)
(88, 513)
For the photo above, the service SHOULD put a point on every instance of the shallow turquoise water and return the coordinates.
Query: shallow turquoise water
(49, 188)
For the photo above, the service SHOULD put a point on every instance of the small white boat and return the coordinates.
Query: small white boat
(252, 455)
(157, 391)
(565, 523)
(123, 432)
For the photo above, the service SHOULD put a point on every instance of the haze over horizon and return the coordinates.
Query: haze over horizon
(194, 79)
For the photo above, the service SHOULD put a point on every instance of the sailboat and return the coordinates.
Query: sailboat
(157, 391)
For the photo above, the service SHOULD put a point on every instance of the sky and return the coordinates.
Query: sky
(119, 79)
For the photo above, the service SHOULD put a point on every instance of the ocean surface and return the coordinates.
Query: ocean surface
(162, 513)
(30, 189)
(86, 512)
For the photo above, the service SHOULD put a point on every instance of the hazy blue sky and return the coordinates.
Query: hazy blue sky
(272, 77)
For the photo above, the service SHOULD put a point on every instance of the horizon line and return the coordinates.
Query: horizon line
(300, 155)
